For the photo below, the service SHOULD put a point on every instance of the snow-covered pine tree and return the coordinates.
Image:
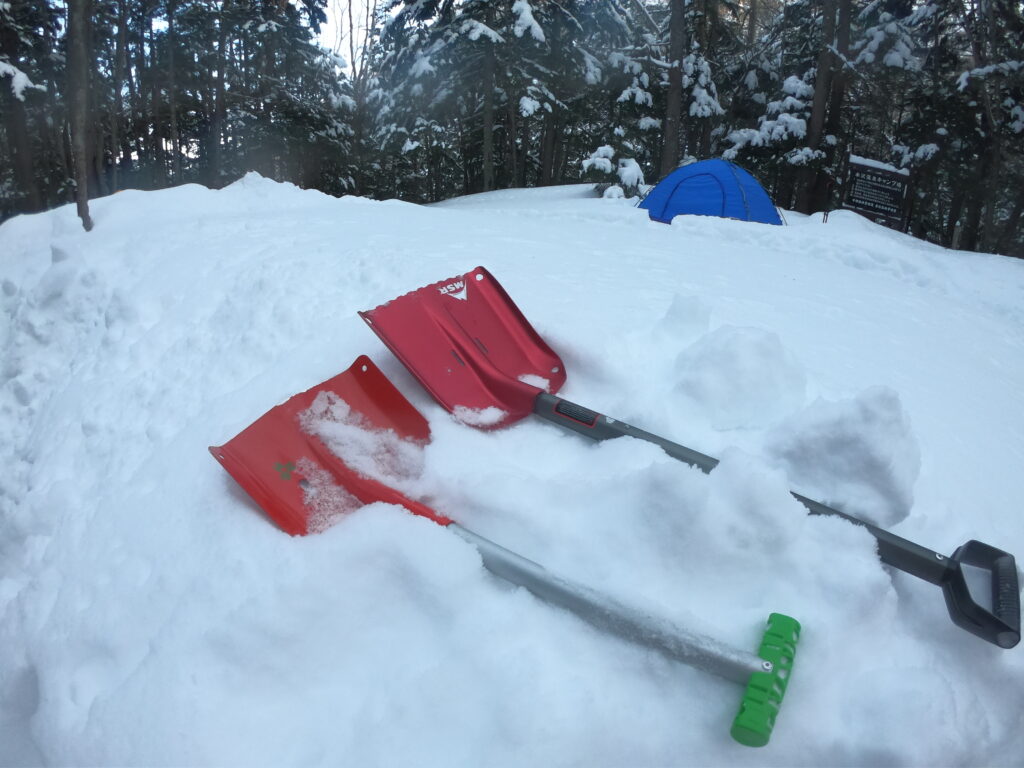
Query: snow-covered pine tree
(792, 146)
(961, 125)
(28, 36)
(623, 120)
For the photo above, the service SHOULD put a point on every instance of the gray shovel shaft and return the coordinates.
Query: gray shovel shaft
(893, 550)
(611, 616)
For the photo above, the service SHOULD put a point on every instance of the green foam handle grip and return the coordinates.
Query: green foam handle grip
(763, 695)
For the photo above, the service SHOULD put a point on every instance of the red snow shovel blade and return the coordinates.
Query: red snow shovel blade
(293, 475)
(470, 347)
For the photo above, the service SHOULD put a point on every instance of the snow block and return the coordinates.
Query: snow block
(762, 698)
(860, 454)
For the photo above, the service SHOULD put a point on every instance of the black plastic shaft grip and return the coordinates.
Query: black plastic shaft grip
(578, 413)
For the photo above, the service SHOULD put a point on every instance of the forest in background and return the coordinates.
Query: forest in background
(427, 99)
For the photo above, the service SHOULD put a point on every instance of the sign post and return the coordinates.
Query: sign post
(878, 191)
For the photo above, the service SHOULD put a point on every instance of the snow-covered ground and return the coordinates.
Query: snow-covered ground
(152, 616)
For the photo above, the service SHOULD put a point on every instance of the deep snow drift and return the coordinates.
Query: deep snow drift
(152, 615)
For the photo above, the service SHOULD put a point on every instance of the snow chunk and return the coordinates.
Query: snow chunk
(479, 417)
(600, 159)
(740, 377)
(525, 21)
(704, 103)
(473, 29)
(1017, 124)
(380, 454)
(326, 501)
(19, 80)
(422, 66)
(536, 381)
(858, 454)
(686, 320)
(592, 69)
(637, 94)
(630, 172)
(878, 164)
(804, 156)
(1002, 68)
(794, 86)
(528, 106)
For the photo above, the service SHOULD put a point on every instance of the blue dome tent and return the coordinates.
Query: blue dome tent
(710, 188)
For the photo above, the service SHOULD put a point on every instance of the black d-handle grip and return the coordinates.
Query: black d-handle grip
(1001, 625)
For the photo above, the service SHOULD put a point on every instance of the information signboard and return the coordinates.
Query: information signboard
(876, 191)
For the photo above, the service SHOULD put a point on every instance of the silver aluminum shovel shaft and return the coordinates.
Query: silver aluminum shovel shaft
(610, 615)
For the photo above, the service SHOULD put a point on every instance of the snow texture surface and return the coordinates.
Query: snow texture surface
(151, 615)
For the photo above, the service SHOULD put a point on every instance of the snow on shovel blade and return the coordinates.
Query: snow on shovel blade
(470, 347)
(295, 478)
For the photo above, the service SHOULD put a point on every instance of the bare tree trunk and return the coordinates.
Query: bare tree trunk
(159, 168)
(822, 91)
(139, 112)
(511, 134)
(79, 66)
(823, 182)
(549, 135)
(488, 116)
(116, 108)
(524, 142)
(127, 135)
(752, 18)
(97, 142)
(972, 222)
(1002, 243)
(956, 208)
(561, 158)
(219, 108)
(989, 234)
(172, 95)
(674, 97)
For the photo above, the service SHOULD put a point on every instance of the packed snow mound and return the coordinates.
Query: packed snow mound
(859, 455)
(740, 377)
(151, 614)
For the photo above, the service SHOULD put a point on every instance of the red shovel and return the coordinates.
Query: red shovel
(304, 487)
(472, 349)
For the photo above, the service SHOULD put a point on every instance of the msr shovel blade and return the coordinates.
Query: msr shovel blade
(470, 347)
(284, 468)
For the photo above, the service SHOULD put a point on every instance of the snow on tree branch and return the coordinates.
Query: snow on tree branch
(474, 29)
(525, 21)
(19, 80)
(1003, 68)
